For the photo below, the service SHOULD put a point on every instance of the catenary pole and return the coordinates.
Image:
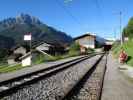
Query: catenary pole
(121, 34)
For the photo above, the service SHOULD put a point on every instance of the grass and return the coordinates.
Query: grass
(6, 68)
(128, 47)
(45, 58)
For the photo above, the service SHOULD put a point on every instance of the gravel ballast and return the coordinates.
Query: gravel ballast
(56, 86)
(91, 88)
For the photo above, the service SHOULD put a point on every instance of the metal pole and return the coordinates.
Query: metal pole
(115, 34)
(121, 34)
(31, 50)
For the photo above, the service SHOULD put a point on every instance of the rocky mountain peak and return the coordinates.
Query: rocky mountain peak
(25, 18)
(21, 19)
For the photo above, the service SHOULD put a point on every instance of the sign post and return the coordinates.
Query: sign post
(27, 37)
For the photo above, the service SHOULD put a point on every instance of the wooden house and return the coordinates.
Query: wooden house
(49, 48)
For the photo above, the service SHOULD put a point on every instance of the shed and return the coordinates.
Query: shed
(14, 58)
(26, 59)
(11, 60)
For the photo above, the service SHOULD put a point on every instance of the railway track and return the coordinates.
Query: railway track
(89, 87)
(10, 86)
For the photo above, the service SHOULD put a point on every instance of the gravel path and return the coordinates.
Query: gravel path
(56, 86)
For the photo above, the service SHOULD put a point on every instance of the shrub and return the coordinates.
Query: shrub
(74, 49)
(90, 50)
(127, 47)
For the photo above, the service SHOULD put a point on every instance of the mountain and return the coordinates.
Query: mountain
(101, 40)
(15, 28)
(6, 42)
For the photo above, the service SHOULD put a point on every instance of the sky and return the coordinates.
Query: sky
(75, 17)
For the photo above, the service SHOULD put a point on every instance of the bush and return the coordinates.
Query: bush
(127, 47)
(3, 55)
(40, 58)
(90, 50)
(74, 49)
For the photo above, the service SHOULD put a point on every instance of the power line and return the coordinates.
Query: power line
(67, 1)
(68, 12)
(75, 18)
(120, 13)
(98, 5)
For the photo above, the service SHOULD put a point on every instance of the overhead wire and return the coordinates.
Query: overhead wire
(70, 14)
(98, 5)
(99, 8)
(75, 19)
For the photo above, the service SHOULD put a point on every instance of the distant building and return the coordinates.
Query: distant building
(86, 40)
(19, 50)
(89, 41)
(13, 59)
(16, 53)
(108, 45)
(44, 47)
(51, 49)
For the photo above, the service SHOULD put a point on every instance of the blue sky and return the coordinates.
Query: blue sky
(76, 17)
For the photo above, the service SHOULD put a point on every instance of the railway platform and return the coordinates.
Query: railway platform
(116, 86)
(27, 70)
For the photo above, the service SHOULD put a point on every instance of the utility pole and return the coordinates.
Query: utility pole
(115, 34)
(121, 34)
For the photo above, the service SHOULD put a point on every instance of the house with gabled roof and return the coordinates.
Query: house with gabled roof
(86, 40)
(89, 40)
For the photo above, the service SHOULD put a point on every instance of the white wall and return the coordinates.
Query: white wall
(11, 61)
(88, 43)
(26, 61)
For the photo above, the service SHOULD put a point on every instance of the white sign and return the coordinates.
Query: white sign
(27, 37)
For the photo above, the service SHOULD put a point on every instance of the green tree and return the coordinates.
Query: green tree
(75, 47)
(128, 30)
(3, 55)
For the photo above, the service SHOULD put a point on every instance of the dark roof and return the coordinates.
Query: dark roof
(25, 56)
(17, 46)
(26, 47)
(13, 56)
(82, 36)
(55, 44)
(38, 44)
